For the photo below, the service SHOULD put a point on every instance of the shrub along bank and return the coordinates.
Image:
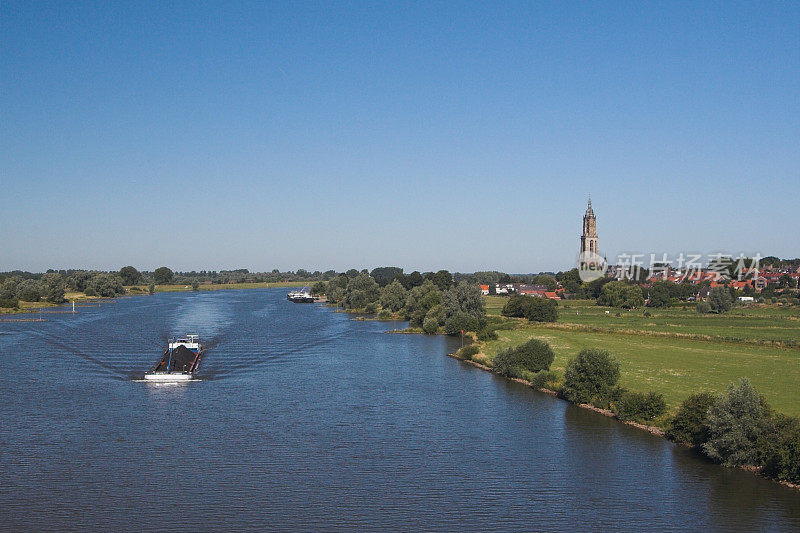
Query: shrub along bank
(737, 428)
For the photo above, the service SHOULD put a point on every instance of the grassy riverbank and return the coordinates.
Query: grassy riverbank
(676, 351)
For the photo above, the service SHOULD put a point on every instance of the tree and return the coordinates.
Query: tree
(433, 319)
(106, 285)
(336, 288)
(419, 300)
(465, 298)
(442, 279)
(319, 288)
(621, 294)
(781, 450)
(719, 299)
(361, 290)
(383, 276)
(690, 424)
(543, 310)
(517, 306)
(533, 356)
(659, 294)
(28, 290)
(163, 275)
(736, 421)
(533, 308)
(412, 280)
(53, 287)
(151, 289)
(129, 275)
(595, 287)
(590, 375)
(543, 279)
(195, 285)
(461, 321)
(8, 291)
(393, 296)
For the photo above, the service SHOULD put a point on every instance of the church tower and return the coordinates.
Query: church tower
(589, 237)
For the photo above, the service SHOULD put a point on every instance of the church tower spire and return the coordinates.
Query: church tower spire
(589, 236)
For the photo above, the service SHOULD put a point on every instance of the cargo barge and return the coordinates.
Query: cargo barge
(179, 362)
(302, 296)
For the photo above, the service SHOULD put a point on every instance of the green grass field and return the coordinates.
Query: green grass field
(674, 366)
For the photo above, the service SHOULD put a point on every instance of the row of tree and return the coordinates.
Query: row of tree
(52, 287)
(430, 303)
(737, 428)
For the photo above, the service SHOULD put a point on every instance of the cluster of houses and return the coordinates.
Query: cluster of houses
(523, 289)
(756, 279)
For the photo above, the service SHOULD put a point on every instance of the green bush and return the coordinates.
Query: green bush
(468, 351)
(703, 308)
(487, 334)
(690, 424)
(319, 288)
(621, 294)
(461, 321)
(719, 299)
(640, 407)
(533, 356)
(430, 325)
(736, 422)
(90, 292)
(590, 375)
(9, 303)
(371, 308)
(543, 310)
(29, 291)
(385, 314)
(517, 306)
(781, 450)
(544, 379)
(533, 308)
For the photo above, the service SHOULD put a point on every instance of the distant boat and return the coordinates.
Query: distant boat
(301, 296)
(180, 360)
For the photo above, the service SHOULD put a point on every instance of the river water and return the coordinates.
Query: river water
(306, 419)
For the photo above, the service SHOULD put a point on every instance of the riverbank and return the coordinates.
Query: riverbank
(81, 298)
(654, 430)
(674, 352)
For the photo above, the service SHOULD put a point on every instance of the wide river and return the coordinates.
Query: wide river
(306, 419)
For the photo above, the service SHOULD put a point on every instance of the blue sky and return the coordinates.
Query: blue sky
(464, 136)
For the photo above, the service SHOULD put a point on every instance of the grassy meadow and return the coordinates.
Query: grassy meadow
(668, 352)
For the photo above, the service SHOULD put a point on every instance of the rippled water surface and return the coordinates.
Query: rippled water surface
(305, 419)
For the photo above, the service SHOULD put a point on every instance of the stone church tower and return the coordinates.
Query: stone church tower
(589, 237)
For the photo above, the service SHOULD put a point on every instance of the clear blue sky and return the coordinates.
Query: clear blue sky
(423, 135)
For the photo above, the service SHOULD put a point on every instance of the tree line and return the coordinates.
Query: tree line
(432, 302)
(736, 428)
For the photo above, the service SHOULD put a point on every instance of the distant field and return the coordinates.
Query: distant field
(673, 366)
(769, 323)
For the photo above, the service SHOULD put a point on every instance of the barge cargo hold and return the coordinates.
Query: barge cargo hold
(179, 362)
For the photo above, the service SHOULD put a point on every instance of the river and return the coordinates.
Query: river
(306, 419)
